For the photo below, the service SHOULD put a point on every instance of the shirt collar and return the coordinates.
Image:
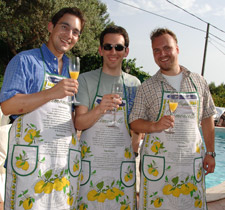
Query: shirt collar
(185, 72)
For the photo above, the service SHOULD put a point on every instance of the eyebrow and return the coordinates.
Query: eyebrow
(65, 23)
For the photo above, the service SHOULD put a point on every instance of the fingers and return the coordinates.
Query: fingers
(110, 102)
(66, 87)
(209, 164)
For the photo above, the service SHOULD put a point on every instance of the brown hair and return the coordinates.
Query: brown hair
(161, 31)
(69, 10)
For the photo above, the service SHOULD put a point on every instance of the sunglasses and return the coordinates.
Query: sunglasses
(117, 47)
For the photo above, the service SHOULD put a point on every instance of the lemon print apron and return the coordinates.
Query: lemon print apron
(44, 158)
(108, 163)
(172, 164)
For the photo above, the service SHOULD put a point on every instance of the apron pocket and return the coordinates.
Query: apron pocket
(86, 172)
(128, 173)
(74, 162)
(198, 169)
(24, 159)
(153, 167)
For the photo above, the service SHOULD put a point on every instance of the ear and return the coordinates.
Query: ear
(50, 27)
(178, 50)
(100, 51)
(126, 52)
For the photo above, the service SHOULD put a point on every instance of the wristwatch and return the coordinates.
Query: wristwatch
(213, 154)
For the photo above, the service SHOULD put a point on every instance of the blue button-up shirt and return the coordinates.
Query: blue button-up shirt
(25, 72)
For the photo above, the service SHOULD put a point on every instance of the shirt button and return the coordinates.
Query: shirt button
(54, 58)
(55, 70)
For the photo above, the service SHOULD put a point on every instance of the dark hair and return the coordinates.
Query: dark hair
(161, 31)
(113, 29)
(69, 10)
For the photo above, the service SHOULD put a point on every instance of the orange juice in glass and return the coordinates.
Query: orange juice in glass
(173, 103)
(74, 70)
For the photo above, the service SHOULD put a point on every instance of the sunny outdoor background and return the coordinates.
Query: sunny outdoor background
(23, 26)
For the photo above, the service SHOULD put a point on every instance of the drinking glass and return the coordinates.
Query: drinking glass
(173, 103)
(74, 70)
(117, 88)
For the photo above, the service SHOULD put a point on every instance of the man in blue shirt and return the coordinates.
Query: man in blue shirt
(24, 76)
(37, 93)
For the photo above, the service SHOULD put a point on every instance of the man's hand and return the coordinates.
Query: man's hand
(165, 122)
(209, 164)
(109, 102)
(66, 87)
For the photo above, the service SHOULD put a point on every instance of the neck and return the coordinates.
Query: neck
(112, 71)
(58, 55)
(172, 71)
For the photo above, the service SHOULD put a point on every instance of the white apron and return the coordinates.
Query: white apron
(44, 159)
(108, 180)
(172, 175)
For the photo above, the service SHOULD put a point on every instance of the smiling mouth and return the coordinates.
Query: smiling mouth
(66, 42)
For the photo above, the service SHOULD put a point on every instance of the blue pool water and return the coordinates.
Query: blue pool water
(219, 174)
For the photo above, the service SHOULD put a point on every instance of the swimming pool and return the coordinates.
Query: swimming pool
(219, 174)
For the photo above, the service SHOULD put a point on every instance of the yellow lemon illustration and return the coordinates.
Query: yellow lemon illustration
(128, 177)
(27, 204)
(127, 154)
(157, 203)
(81, 177)
(70, 200)
(30, 135)
(58, 184)
(167, 189)
(74, 142)
(155, 147)
(153, 171)
(82, 207)
(191, 187)
(76, 167)
(92, 195)
(18, 163)
(184, 189)
(18, 125)
(117, 191)
(65, 181)
(48, 188)
(83, 151)
(197, 149)
(38, 188)
(176, 192)
(110, 194)
(198, 203)
(25, 166)
(125, 207)
(199, 174)
(101, 198)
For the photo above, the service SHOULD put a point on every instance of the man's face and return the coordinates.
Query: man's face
(64, 35)
(112, 59)
(165, 52)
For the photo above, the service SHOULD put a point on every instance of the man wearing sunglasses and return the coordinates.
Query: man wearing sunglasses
(108, 160)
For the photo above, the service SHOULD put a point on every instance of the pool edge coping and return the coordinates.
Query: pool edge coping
(215, 193)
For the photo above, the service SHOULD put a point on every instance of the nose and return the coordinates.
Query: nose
(113, 50)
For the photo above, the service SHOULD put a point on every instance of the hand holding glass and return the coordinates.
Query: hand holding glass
(173, 103)
(116, 89)
(74, 70)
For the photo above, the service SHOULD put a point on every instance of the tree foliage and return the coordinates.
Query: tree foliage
(218, 94)
(24, 24)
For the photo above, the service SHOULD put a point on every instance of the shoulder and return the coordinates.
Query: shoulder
(131, 80)
(89, 75)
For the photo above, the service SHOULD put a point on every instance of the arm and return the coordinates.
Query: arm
(85, 119)
(136, 138)
(145, 126)
(24, 103)
(208, 131)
